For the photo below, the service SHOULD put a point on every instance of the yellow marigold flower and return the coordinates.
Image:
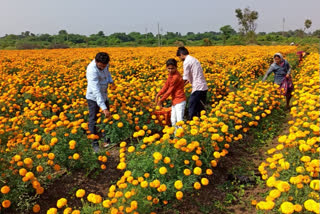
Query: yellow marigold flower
(166, 160)
(179, 195)
(131, 149)
(116, 117)
(141, 133)
(314, 184)
(216, 155)
(178, 184)
(311, 205)
(52, 211)
(197, 171)
(106, 203)
(157, 156)
(38, 138)
(61, 202)
(204, 181)
(144, 184)
(162, 188)
(163, 170)
(17, 158)
(282, 139)
(224, 128)
(275, 193)
(122, 166)
(187, 172)
(271, 181)
(287, 207)
(28, 161)
(67, 210)
(300, 169)
(283, 186)
(285, 165)
(209, 172)
(123, 144)
(134, 204)
(305, 159)
(80, 193)
(197, 185)
(194, 132)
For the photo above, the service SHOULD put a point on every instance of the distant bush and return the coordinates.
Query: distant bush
(58, 46)
(23, 46)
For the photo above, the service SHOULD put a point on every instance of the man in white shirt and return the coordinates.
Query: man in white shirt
(193, 74)
(98, 77)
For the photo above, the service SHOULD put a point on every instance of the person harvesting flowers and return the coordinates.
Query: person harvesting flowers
(281, 69)
(193, 74)
(174, 86)
(98, 77)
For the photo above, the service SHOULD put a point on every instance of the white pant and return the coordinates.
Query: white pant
(177, 112)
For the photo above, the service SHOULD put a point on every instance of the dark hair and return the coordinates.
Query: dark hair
(102, 57)
(171, 62)
(183, 51)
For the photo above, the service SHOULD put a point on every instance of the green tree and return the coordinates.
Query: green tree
(100, 33)
(247, 19)
(316, 33)
(307, 24)
(62, 36)
(207, 42)
(227, 31)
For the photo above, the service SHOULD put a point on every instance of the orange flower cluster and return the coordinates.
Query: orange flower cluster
(43, 113)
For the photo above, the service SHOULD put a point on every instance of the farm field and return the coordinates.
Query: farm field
(44, 131)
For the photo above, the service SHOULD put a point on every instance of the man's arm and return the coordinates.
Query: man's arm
(110, 80)
(186, 72)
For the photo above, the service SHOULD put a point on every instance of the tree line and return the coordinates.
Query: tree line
(226, 36)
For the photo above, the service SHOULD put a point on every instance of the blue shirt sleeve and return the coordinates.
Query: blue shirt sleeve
(93, 83)
(270, 70)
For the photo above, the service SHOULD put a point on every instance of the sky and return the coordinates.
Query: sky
(89, 17)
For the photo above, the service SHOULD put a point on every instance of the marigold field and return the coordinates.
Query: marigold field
(44, 128)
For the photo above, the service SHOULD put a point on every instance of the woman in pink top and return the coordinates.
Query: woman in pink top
(193, 74)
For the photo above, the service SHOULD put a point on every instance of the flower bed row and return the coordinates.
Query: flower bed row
(291, 170)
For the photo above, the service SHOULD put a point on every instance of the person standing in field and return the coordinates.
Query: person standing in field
(193, 74)
(174, 86)
(281, 69)
(98, 78)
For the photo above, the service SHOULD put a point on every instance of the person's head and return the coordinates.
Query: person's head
(277, 58)
(182, 53)
(172, 66)
(102, 59)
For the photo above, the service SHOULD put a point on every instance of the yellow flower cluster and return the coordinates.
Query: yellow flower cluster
(293, 165)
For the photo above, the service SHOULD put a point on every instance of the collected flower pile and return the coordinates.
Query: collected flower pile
(44, 129)
(292, 167)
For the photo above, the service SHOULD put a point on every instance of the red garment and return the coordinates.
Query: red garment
(174, 86)
(287, 86)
